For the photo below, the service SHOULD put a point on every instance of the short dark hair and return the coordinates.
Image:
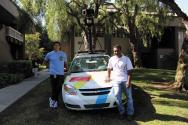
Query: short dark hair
(117, 46)
(56, 42)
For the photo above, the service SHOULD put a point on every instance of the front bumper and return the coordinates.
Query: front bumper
(89, 102)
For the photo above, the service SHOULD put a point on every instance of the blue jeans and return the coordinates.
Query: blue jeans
(128, 92)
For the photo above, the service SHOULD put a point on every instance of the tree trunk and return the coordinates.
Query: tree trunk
(85, 36)
(134, 41)
(95, 38)
(136, 55)
(85, 40)
(181, 78)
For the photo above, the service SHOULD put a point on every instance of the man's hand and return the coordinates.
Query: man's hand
(107, 79)
(127, 84)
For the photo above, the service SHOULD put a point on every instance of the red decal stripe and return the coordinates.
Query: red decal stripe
(76, 79)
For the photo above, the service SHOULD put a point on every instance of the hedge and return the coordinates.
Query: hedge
(17, 67)
(10, 79)
(14, 72)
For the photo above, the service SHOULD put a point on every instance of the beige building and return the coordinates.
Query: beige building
(162, 54)
(170, 46)
(11, 40)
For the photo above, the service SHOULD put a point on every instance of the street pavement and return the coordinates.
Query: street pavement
(10, 94)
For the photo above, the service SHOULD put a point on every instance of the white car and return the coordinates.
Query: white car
(85, 87)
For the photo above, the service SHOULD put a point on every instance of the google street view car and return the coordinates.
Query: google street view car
(85, 87)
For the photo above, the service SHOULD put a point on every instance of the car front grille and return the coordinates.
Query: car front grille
(72, 106)
(96, 106)
(96, 91)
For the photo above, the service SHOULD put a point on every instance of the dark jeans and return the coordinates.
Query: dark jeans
(56, 84)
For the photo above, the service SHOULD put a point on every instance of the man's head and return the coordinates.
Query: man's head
(56, 46)
(117, 50)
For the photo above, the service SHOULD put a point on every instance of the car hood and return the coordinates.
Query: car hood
(88, 80)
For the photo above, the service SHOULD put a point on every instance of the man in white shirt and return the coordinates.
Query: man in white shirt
(122, 67)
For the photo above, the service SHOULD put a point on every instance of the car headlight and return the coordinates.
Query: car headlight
(70, 90)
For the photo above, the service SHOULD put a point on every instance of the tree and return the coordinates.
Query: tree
(181, 78)
(75, 9)
(32, 45)
(57, 20)
(30, 24)
(35, 8)
(141, 19)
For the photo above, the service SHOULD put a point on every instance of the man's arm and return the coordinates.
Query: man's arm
(65, 63)
(46, 60)
(109, 69)
(108, 79)
(128, 83)
(65, 67)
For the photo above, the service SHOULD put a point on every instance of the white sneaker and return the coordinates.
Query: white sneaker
(51, 102)
(55, 104)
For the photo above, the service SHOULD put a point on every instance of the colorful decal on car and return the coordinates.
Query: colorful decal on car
(83, 78)
(79, 81)
(101, 99)
(79, 84)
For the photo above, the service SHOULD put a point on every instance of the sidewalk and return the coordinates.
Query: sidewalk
(10, 94)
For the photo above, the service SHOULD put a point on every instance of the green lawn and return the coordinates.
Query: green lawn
(153, 106)
(161, 107)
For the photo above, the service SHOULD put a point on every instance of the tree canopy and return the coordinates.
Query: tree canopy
(32, 45)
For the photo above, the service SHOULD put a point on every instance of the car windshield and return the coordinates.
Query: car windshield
(89, 64)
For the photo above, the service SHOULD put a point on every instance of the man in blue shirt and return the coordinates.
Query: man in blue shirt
(57, 60)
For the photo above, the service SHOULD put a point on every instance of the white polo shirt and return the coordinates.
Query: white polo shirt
(120, 67)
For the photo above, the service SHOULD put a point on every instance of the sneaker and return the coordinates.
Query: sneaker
(51, 103)
(55, 104)
(129, 118)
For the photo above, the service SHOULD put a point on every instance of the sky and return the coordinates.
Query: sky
(183, 4)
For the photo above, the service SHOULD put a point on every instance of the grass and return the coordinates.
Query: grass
(152, 106)
(166, 106)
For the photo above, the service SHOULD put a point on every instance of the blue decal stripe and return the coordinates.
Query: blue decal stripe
(101, 99)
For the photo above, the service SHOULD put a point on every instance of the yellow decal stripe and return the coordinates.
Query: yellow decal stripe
(79, 84)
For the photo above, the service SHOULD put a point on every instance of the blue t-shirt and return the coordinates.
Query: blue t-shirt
(56, 61)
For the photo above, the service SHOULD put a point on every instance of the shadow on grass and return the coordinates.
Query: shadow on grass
(145, 111)
(163, 117)
(179, 96)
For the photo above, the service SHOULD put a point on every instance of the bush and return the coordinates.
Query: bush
(21, 67)
(17, 67)
(10, 79)
(4, 68)
(14, 72)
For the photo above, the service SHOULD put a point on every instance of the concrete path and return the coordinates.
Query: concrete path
(10, 94)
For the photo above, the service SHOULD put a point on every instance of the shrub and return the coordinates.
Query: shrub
(14, 72)
(4, 68)
(21, 67)
(10, 79)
